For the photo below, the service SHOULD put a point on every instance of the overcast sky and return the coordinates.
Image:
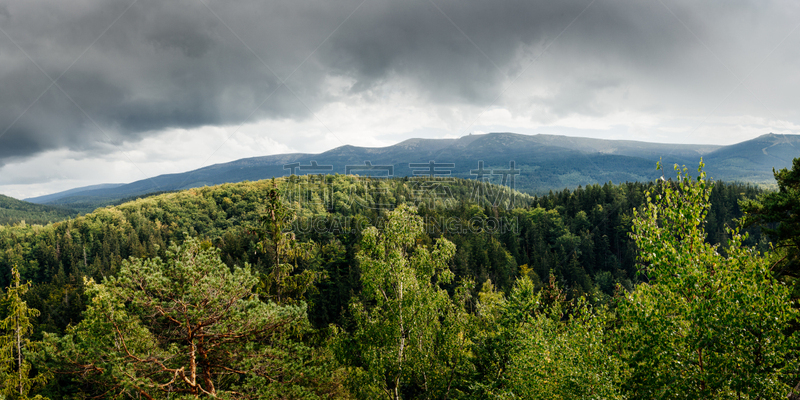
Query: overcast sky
(95, 91)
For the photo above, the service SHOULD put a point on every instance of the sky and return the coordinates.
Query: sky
(102, 91)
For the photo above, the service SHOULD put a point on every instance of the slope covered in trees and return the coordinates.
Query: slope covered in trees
(581, 236)
(13, 211)
(402, 288)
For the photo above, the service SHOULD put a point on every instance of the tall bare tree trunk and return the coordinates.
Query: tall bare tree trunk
(402, 346)
(19, 351)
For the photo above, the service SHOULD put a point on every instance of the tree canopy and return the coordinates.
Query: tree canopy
(189, 325)
(340, 287)
(705, 324)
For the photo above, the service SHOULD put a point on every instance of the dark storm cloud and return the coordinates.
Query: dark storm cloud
(160, 65)
(129, 70)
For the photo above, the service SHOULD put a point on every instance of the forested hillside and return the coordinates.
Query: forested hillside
(13, 211)
(397, 288)
(581, 235)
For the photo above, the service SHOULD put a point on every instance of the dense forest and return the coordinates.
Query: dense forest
(13, 211)
(349, 287)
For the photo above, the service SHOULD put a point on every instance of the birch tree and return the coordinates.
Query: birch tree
(397, 345)
(15, 370)
(706, 324)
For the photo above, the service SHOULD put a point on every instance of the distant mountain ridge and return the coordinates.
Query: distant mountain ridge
(55, 196)
(544, 162)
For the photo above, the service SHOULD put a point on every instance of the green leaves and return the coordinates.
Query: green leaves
(536, 345)
(777, 215)
(282, 284)
(409, 335)
(16, 346)
(706, 325)
(190, 325)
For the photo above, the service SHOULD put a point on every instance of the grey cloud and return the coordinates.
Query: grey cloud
(183, 35)
(182, 64)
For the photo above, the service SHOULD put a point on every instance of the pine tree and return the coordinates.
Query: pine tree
(282, 285)
(190, 326)
(776, 214)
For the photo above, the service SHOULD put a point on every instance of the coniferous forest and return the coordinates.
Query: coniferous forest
(323, 287)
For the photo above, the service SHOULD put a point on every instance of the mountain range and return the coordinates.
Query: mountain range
(531, 163)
